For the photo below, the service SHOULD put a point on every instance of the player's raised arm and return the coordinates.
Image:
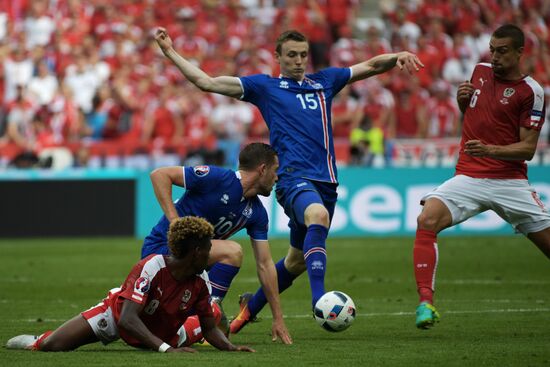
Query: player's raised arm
(268, 279)
(464, 94)
(382, 63)
(162, 179)
(227, 85)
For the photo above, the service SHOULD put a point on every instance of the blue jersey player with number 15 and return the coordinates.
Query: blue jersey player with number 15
(296, 107)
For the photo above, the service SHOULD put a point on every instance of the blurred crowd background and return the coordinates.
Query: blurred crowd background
(83, 82)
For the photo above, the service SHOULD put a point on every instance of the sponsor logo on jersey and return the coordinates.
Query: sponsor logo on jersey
(283, 84)
(504, 101)
(482, 81)
(509, 92)
(224, 199)
(142, 284)
(201, 171)
(301, 184)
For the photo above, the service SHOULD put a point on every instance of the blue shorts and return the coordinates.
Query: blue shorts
(152, 245)
(295, 195)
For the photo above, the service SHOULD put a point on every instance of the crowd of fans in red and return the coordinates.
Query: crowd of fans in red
(88, 75)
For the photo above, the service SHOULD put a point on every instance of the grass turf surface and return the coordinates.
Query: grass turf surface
(493, 295)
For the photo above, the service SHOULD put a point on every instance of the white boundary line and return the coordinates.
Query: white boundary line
(369, 314)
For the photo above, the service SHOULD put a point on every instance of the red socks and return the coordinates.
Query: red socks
(425, 257)
(36, 345)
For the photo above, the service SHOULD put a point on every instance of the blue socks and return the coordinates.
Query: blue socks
(221, 276)
(284, 279)
(315, 256)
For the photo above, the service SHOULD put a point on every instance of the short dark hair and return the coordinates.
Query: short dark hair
(291, 35)
(511, 31)
(255, 154)
(189, 232)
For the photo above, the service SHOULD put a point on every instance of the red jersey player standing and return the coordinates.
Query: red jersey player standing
(503, 114)
(148, 311)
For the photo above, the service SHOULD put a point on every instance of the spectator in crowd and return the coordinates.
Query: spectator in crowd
(442, 114)
(113, 43)
(43, 86)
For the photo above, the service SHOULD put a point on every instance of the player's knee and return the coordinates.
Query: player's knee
(428, 221)
(234, 254)
(316, 214)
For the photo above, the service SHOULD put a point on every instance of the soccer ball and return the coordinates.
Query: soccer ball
(334, 311)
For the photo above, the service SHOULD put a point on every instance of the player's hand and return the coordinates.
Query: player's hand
(476, 148)
(279, 330)
(181, 350)
(243, 348)
(464, 92)
(163, 39)
(409, 61)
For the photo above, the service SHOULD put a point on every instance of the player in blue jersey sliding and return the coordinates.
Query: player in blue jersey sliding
(296, 107)
(229, 201)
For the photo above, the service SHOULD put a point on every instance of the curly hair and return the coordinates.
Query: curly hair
(187, 233)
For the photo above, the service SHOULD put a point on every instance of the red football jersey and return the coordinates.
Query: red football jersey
(494, 116)
(167, 301)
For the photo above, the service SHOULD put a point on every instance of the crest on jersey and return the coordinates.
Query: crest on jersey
(283, 84)
(142, 284)
(201, 171)
(508, 92)
(185, 299)
(247, 212)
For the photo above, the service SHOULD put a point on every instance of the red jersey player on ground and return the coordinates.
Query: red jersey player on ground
(148, 311)
(503, 114)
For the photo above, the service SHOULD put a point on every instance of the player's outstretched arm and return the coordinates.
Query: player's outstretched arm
(162, 179)
(227, 85)
(268, 279)
(215, 337)
(382, 63)
(132, 324)
(522, 150)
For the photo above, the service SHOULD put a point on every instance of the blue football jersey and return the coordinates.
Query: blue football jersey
(215, 194)
(298, 116)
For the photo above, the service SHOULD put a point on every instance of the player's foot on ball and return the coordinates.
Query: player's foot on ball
(21, 342)
(224, 321)
(426, 315)
(243, 317)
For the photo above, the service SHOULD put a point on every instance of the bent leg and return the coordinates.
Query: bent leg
(435, 216)
(225, 258)
(315, 255)
(542, 240)
(72, 334)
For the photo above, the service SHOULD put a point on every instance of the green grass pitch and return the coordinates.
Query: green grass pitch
(493, 294)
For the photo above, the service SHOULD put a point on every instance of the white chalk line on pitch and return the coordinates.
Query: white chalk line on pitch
(383, 280)
(367, 280)
(402, 313)
(368, 314)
